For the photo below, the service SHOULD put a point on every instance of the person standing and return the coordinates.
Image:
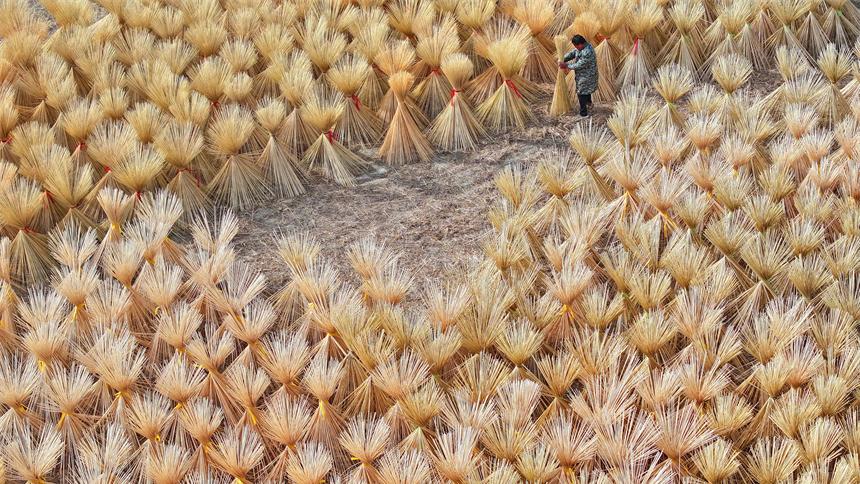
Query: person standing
(583, 61)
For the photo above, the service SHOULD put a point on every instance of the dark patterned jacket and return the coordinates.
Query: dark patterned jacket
(584, 64)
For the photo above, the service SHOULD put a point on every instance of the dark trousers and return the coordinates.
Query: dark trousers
(584, 103)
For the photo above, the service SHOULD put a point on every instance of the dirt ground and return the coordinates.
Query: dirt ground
(432, 213)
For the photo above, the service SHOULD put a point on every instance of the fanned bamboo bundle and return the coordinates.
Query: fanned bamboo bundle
(27, 251)
(507, 107)
(762, 24)
(403, 141)
(537, 16)
(669, 146)
(684, 47)
(358, 125)
(792, 72)
(9, 117)
(840, 23)
(474, 16)
(239, 181)
(411, 18)
(322, 44)
(296, 81)
(593, 144)
(810, 32)
(182, 145)
(631, 120)
(280, 166)
(109, 144)
(800, 119)
(47, 87)
(456, 128)
(835, 65)
(753, 40)
(611, 15)
(637, 67)
(786, 14)
(369, 42)
(733, 34)
(431, 94)
(210, 78)
(396, 57)
(851, 88)
(327, 155)
(672, 83)
(137, 170)
(587, 25)
(731, 73)
(486, 82)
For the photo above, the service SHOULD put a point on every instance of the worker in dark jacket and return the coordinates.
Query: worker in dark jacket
(583, 61)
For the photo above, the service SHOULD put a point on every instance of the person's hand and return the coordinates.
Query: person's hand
(562, 65)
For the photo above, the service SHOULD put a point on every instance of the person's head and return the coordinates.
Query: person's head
(578, 41)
